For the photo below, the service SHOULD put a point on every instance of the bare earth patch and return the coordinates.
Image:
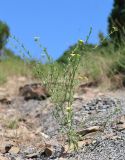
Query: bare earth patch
(29, 131)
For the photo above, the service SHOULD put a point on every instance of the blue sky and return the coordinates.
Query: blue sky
(58, 23)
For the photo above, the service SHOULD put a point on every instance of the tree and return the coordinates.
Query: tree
(117, 19)
(103, 41)
(4, 34)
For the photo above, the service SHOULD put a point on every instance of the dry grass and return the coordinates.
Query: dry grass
(103, 68)
(13, 67)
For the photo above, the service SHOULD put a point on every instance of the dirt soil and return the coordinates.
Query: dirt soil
(28, 129)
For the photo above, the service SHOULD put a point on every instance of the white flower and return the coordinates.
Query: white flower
(36, 38)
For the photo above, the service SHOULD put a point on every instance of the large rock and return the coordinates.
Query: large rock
(34, 91)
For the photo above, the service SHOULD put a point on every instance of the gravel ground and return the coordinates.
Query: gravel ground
(103, 111)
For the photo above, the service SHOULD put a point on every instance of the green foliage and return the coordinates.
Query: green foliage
(81, 50)
(12, 124)
(103, 41)
(4, 34)
(119, 64)
(12, 65)
(3, 78)
(94, 63)
(117, 19)
(8, 54)
(60, 79)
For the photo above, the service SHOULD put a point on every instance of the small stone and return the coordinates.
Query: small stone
(33, 155)
(121, 127)
(14, 150)
(30, 150)
(94, 141)
(3, 158)
(85, 142)
(19, 158)
(121, 120)
(7, 148)
(48, 152)
(87, 108)
(89, 130)
(92, 107)
(38, 131)
(105, 107)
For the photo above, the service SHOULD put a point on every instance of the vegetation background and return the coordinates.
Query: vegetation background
(102, 64)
